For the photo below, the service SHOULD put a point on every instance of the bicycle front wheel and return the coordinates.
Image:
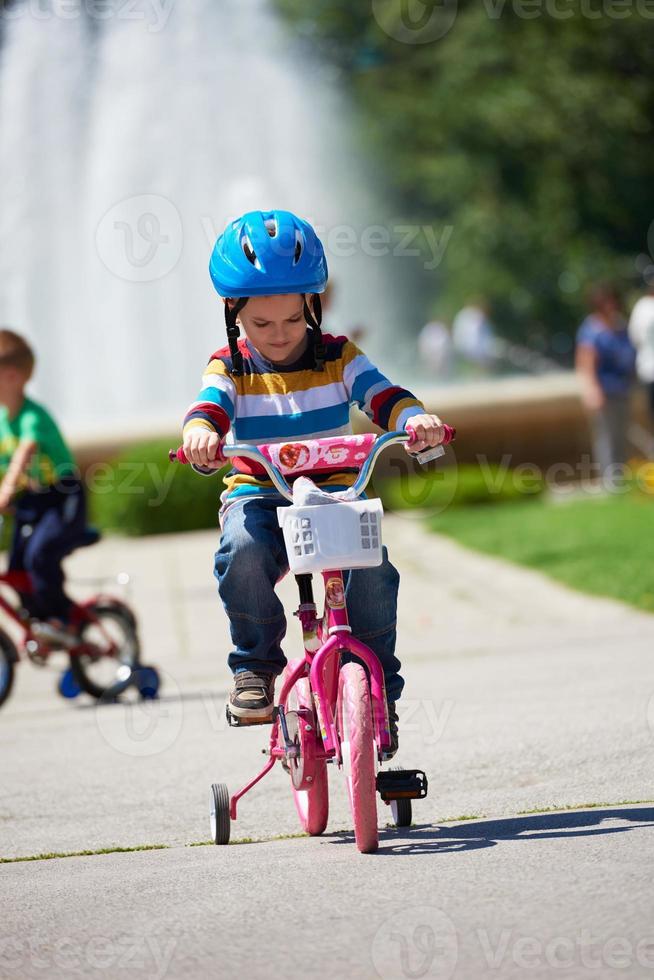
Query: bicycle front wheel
(356, 733)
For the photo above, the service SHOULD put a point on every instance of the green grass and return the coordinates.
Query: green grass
(52, 855)
(601, 546)
(583, 806)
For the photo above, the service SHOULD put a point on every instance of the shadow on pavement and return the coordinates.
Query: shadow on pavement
(434, 839)
(129, 698)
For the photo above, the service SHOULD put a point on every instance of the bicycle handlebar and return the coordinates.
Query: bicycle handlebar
(255, 454)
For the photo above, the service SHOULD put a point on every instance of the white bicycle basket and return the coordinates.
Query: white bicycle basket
(319, 538)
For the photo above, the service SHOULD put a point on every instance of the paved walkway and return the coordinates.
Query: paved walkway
(520, 695)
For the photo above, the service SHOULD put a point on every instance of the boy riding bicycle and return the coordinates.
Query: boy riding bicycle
(41, 486)
(284, 381)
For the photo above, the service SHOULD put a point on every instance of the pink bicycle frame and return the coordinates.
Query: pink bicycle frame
(322, 666)
(326, 640)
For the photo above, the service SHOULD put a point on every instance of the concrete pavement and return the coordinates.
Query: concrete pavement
(520, 695)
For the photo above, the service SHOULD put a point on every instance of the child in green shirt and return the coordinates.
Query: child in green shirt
(40, 484)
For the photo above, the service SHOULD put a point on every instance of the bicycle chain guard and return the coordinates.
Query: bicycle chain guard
(302, 735)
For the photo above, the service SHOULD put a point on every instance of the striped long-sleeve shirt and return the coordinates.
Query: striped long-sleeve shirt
(269, 403)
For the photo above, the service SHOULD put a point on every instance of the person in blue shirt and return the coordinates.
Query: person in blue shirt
(605, 362)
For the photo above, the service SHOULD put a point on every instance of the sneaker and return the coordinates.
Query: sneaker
(392, 727)
(253, 696)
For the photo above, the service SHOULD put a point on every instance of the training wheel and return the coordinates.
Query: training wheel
(402, 812)
(401, 809)
(148, 682)
(68, 686)
(220, 821)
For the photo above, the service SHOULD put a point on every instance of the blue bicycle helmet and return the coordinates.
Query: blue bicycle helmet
(267, 253)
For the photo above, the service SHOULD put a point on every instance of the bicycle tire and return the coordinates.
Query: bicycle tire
(354, 719)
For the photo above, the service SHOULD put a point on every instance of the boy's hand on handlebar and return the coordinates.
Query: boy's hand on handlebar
(203, 448)
(428, 431)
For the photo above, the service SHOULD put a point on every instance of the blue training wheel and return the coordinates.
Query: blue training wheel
(68, 686)
(147, 682)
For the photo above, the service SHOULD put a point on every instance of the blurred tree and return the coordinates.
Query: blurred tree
(526, 126)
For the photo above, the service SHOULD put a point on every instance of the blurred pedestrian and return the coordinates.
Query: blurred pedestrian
(641, 331)
(605, 362)
(473, 335)
(435, 348)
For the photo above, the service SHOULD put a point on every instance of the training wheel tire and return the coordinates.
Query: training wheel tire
(147, 682)
(401, 809)
(220, 819)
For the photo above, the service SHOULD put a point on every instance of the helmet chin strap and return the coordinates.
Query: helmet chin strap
(231, 314)
(314, 322)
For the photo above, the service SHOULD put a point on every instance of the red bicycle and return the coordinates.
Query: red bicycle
(103, 649)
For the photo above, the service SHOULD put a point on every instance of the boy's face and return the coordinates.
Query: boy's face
(275, 325)
(12, 383)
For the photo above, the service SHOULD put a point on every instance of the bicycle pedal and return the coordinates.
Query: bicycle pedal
(402, 784)
(234, 721)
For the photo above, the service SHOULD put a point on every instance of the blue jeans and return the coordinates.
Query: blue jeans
(47, 525)
(249, 563)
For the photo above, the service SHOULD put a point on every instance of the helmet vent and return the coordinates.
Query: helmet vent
(297, 255)
(271, 227)
(249, 252)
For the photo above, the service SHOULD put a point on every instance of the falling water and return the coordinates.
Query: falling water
(129, 134)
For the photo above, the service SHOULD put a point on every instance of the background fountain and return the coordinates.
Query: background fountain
(130, 133)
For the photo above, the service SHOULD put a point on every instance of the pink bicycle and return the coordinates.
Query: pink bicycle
(329, 711)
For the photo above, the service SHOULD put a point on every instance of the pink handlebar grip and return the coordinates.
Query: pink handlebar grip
(449, 434)
(179, 456)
